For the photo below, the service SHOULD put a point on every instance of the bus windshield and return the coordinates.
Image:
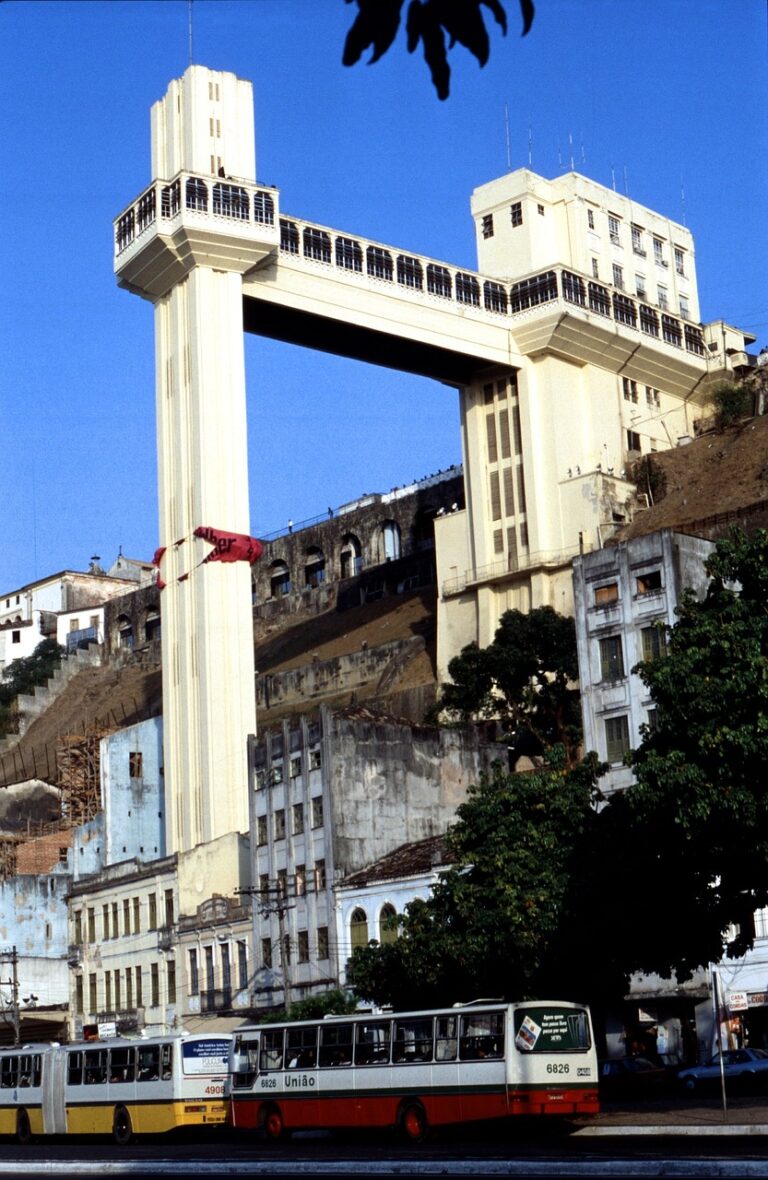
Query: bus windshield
(539, 1028)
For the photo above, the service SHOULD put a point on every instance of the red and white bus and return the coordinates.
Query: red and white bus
(413, 1070)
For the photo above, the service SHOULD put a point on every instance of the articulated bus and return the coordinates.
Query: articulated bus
(416, 1069)
(115, 1087)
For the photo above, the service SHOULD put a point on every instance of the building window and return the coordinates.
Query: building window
(653, 720)
(317, 244)
(276, 773)
(618, 276)
(680, 261)
(152, 923)
(280, 824)
(128, 988)
(15, 636)
(467, 289)
(303, 946)
(654, 642)
(616, 738)
(319, 875)
(349, 254)
(322, 942)
(409, 272)
(605, 595)
(297, 819)
(358, 928)
(649, 583)
(315, 760)
(661, 298)
(591, 218)
(516, 213)
(194, 974)
(115, 920)
(595, 268)
(439, 280)
(378, 263)
(300, 880)
(136, 915)
(170, 980)
(126, 915)
(91, 924)
(658, 251)
(295, 767)
(540, 210)
(154, 985)
(611, 658)
(92, 993)
(633, 441)
(685, 309)
(135, 764)
(108, 990)
(630, 389)
(637, 241)
(169, 907)
(317, 811)
(640, 287)
(139, 990)
(613, 229)
(487, 225)
(77, 919)
(264, 209)
(387, 929)
(281, 883)
(79, 994)
(105, 922)
(118, 991)
(242, 964)
(261, 830)
(653, 397)
(266, 952)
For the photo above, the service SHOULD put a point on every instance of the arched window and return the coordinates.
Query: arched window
(350, 557)
(389, 541)
(314, 567)
(197, 194)
(387, 933)
(152, 625)
(125, 631)
(358, 928)
(279, 579)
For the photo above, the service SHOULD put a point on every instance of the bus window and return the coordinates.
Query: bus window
(446, 1042)
(301, 1048)
(95, 1067)
(121, 1065)
(25, 1070)
(37, 1068)
(166, 1061)
(372, 1043)
(148, 1063)
(413, 1040)
(246, 1061)
(74, 1068)
(9, 1072)
(271, 1050)
(482, 1035)
(336, 1044)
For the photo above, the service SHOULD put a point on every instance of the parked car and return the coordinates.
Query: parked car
(631, 1077)
(747, 1065)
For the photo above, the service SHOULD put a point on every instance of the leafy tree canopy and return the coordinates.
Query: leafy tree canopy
(524, 678)
(692, 832)
(493, 923)
(22, 676)
(331, 1003)
(428, 22)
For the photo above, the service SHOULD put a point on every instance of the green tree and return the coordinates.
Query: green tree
(694, 826)
(493, 924)
(525, 678)
(732, 401)
(331, 1003)
(24, 675)
(428, 22)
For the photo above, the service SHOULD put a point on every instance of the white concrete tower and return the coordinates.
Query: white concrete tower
(185, 244)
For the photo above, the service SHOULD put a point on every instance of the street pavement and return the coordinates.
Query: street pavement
(744, 1115)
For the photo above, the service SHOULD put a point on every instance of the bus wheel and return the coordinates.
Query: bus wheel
(413, 1122)
(272, 1124)
(122, 1127)
(23, 1129)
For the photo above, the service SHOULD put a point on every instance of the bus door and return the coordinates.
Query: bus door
(482, 1070)
(54, 1079)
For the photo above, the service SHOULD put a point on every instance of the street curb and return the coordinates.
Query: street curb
(664, 1130)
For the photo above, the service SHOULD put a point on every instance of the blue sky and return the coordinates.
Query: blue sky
(668, 96)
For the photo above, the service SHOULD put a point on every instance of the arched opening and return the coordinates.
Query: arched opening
(388, 541)
(124, 632)
(152, 625)
(358, 928)
(424, 529)
(350, 557)
(387, 932)
(314, 567)
(279, 579)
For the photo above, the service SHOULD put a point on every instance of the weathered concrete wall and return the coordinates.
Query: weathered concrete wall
(33, 918)
(132, 625)
(390, 784)
(133, 793)
(223, 867)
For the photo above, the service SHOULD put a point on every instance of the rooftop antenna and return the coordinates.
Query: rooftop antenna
(189, 28)
(506, 132)
(559, 154)
(583, 152)
(626, 182)
(570, 151)
(682, 200)
(530, 146)
(613, 177)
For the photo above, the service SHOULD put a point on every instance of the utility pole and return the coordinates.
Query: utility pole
(273, 902)
(13, 983)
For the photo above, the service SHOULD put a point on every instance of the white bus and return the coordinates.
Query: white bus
(115, 1087)
(415, 1069)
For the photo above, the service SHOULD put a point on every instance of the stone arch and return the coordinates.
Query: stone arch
(388, 544)
(314, 566)
(152, 624)
(350, 556)
(124, 631)
(279, 579)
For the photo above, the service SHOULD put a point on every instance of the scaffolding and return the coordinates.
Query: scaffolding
(78, 776)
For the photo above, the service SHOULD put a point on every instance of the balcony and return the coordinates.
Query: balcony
(167, 937)
(500, 570)
(193, 220)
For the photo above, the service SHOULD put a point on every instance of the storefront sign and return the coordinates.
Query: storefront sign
(737, 1001)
